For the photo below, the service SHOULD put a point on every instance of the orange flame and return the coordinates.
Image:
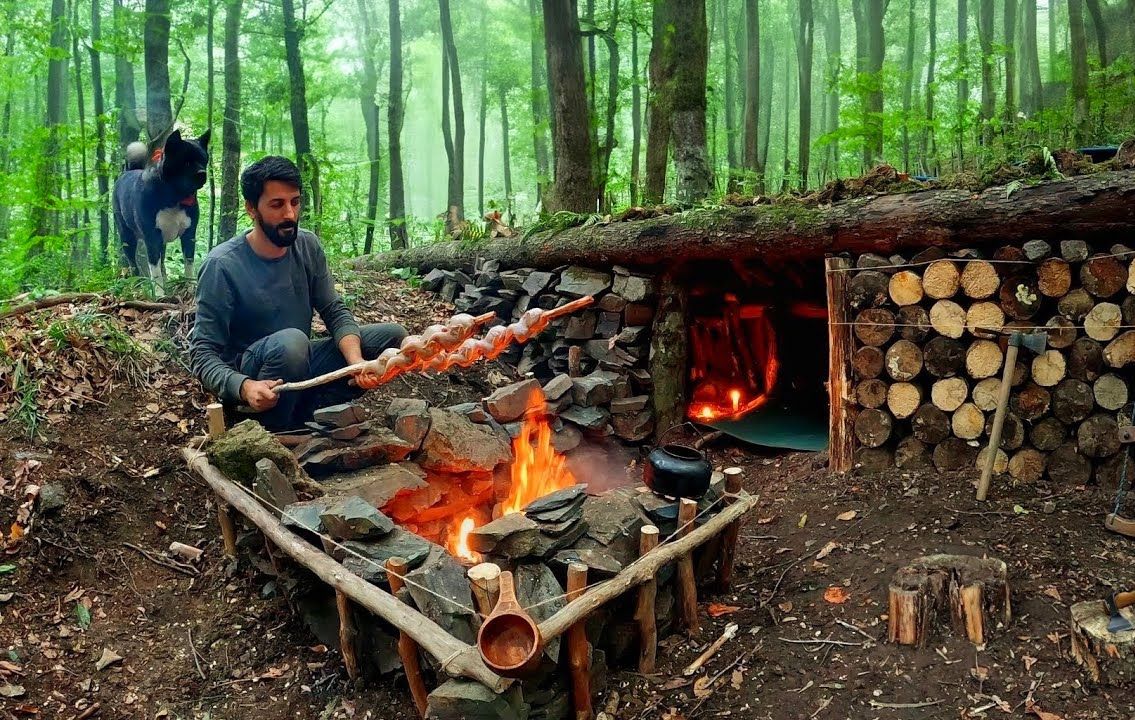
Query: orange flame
(458, 544)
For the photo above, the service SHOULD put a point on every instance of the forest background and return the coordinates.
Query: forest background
(412, 119)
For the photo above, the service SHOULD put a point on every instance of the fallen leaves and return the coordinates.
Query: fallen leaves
(827, 550)
(849, 515)
(109, 657)
(12, 691)
(836, 595)
(719, 609)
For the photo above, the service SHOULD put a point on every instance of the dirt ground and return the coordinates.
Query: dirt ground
(86, 584)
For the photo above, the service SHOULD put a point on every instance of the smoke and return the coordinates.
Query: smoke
(603, 466)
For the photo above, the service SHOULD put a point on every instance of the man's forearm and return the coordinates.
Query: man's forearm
(350, 346)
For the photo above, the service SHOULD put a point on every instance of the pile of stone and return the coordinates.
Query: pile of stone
(602, 350)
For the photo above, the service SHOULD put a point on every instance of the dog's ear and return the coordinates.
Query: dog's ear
(174, 137)
(204, 139)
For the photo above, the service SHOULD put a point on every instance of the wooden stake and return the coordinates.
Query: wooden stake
(407, 649)
(347, 630)
(729, 537)
(687, 583)
(644, 611)
(484, 582)
(579, 650)
(215, 420)
(841, 441)
(460, 659)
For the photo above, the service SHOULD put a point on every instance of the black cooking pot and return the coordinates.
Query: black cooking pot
(677, 471)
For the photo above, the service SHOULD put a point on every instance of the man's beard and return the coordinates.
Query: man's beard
(282, 234)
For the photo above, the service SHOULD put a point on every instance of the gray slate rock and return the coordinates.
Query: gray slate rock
(629, 405)
(340, 415)
(269, 484)
(537, 282)
(581, 326)
(633, 427)
(460, 699)
(570, 512)
(588, 418)
(399, 543)
(634, 288)
(472, 411)
(1036, 250)
(633, 335)
(443, 575)
(598, 388)
(611, 303)
(433, 280)
(578, 281)
(378, 485)
(558, 386)
(510, 402)
(603, 564)
(352, 518)
(537, 588)
(555, 500)
(305, 515)
(410, 418)
(454, 444)
(1074, 250)
(514, 531)
(381, 445)
(53, 496)
(566, 439)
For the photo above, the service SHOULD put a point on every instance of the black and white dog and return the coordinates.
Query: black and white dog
(155, 202)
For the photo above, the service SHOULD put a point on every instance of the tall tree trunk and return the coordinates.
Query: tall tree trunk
(1079, 53)
(42, 219)
(608, 146)
(1031, 87)
(395, 114)
(788, 88)
(679, 55)
(929, 141)
(230, 125)
(908, 86)
(988, 93)
(963, 80)
(859, 11)
(368, 102)
(455, 211)
(1100, 28)
(636, 106)
(129, 127)
(574, 186)
(804, 47)
(81, 241)
(101, 169)
(590, 17)
(1010, 63)
(6, 131)
(301, 131)
(832, 48)
(211, 100)
(1052, 36)
(764, 127)
(159, 113)
(751, 158)
(539, 101)
(875, 56)
(483, 115)
(730, 94)
(505, 155)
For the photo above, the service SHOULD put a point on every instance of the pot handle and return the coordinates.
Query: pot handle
(674, 427)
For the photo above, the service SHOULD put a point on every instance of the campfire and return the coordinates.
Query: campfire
(537, 470)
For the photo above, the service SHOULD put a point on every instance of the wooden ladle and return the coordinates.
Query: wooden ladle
(509, 640)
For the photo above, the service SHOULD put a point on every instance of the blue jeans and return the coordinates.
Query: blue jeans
(289, 355)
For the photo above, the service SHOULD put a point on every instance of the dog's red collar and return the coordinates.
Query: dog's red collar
(189, 201)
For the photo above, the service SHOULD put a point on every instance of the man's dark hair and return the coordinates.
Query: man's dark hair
(270, 167)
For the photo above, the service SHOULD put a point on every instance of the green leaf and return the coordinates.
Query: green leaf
(1020, 510)
(83, 614)
(7, 568)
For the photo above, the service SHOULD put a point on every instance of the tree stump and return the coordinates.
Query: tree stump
(968, 593)
(1108, 657)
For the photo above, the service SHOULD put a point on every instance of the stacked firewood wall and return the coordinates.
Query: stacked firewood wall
(929, 347)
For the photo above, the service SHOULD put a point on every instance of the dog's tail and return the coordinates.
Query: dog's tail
(136, 155)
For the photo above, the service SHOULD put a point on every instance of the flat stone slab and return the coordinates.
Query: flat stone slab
(598, 388)
(572, 511)
(588, 418)
(537, 282)
(398, 543)
(305, 515)
(538, 589)
(340, 415)
(514, 529)
(448, 598)
(352, 518)
(270, 485)
(378, 485)
(634, 288)
(578, 281)
(555, 500)
(601, 563)
(558, 386)
(460, 699)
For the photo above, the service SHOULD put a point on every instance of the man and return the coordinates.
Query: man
(255, 297)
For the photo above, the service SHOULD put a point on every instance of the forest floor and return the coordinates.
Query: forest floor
(78, 589)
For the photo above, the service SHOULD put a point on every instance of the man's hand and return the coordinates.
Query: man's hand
(364, 379)
(258, 394)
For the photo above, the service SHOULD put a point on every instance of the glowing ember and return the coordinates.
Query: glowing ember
(735, 397)
(458, 544)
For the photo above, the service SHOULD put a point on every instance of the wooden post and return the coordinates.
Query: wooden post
(841, 443)
(729, 537)
(644, 611)
(687, 583)
(407, 649)
(347, 630)
(579, 650)
(484, 582)
(215, 420)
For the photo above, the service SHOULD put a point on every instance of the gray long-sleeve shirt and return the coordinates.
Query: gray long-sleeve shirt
(242, 297)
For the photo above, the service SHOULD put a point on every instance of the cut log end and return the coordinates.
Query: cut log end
(1108, 658)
